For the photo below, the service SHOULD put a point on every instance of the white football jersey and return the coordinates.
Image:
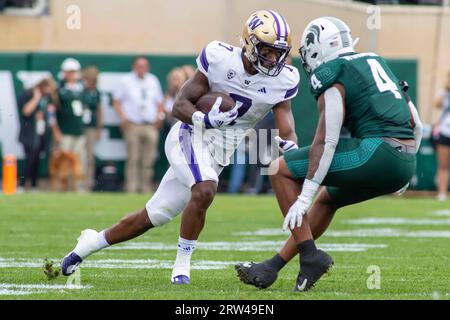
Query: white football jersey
(255, 94)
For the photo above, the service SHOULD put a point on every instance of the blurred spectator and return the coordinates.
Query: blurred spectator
(189, 70)
(257, 181)
(37, 105)
(92, 119)
(443, 148)
(139, 103)
(175, 79)
(238, 168)
(70, 114)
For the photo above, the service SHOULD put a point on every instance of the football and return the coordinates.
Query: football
(206, 101)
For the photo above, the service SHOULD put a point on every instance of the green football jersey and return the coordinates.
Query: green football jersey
(374, 102)
(91, 100)
(70, 113)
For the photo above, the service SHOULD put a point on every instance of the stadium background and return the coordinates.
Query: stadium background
(112, 32)
(387, 248)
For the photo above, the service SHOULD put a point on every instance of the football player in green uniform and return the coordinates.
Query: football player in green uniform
(358, 92)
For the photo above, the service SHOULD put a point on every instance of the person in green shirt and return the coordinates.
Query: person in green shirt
(357, 92)
(92, 119)
(70, 113)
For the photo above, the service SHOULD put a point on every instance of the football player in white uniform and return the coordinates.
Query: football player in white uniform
(259, 81)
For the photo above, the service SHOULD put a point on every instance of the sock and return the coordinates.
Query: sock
(102, 243)
(306, 248)
(89, 242)
(182, 264)
(276, 262)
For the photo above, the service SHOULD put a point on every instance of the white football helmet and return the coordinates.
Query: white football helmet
(324, 39)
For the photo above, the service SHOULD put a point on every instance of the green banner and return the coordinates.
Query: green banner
(113, 66)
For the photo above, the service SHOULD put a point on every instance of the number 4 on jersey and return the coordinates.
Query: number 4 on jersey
(315, 83)
(384, 83)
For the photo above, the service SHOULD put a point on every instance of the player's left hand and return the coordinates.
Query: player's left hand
(295, 214)
(285, 145)
(215, 118)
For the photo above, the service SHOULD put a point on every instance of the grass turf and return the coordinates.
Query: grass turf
(36, 226)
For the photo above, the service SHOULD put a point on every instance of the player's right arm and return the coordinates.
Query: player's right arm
(331, 117)
(192, 90)
(184, 105)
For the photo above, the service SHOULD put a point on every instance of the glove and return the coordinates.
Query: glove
(215, 118)
(295, 214)
(402, 190)
(285, 145)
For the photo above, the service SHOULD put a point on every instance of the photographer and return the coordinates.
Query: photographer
(37, 105)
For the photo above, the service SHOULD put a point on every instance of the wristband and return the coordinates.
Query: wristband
(198, 119)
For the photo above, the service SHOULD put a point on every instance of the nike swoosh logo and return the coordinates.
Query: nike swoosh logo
(302, 286)
(73, 267)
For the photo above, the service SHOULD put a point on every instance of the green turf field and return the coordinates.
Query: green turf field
(406, 240)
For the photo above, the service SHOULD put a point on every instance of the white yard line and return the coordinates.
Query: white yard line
(110, 264)
(362, 233)
(16, 289)
(397, 221)
(444, 212)
(246, 246)
(42, 286)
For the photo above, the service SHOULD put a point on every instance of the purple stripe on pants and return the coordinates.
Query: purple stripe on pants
(184, 136)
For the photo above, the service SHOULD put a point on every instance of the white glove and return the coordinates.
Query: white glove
(215, 118)
(402, 190)
(285, 145)
(295, 214)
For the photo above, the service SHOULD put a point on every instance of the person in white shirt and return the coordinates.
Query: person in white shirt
(175, 80)
(138, 101)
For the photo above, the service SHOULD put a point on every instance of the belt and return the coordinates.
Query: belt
(400, 147)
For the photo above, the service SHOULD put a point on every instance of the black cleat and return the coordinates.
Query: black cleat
(256, 274)
(311, 269)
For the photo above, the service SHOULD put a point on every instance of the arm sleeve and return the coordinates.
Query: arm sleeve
(334, 117)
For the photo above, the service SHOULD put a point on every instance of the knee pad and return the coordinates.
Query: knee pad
(159, 216)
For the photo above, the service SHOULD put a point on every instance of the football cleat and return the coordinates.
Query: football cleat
(256, 274)
(181, 279)
(311, 269)
(87, 244)
(70, 263)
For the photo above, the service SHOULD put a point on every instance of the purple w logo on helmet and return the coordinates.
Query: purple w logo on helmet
(255, 22)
